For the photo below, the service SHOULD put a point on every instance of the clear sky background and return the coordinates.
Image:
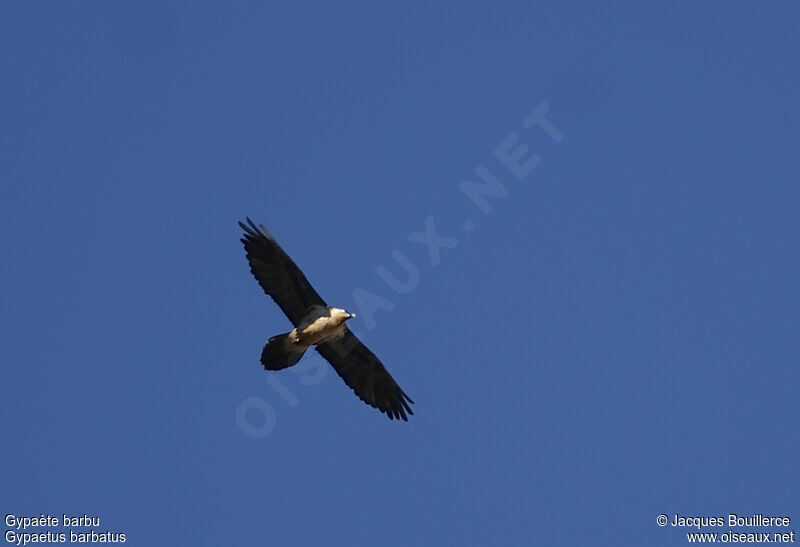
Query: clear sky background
(617, 338)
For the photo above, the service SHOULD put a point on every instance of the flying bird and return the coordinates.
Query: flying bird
(317, 324)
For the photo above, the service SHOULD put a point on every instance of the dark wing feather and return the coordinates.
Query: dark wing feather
(365, 374)
(277, 274)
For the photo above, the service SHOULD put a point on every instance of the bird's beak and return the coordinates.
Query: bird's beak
(350, 315)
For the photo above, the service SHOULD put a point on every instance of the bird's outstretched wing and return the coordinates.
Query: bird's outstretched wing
(366, 375)
(277, 274)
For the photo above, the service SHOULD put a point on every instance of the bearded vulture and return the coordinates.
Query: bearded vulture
(317, 324)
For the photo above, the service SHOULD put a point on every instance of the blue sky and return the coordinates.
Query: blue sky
(615, 339)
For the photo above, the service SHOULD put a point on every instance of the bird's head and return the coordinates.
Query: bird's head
(341, 315)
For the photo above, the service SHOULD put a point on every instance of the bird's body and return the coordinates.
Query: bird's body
(322, 324)
(317, 324)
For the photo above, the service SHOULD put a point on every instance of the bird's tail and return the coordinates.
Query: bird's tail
(279, 352)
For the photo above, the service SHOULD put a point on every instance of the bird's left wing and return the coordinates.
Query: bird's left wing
(277, 274)
(365, 374)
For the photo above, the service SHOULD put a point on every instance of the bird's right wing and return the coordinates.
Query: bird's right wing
(365, 374)
(277, 274)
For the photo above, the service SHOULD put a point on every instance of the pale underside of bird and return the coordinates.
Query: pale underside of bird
(317, 324)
